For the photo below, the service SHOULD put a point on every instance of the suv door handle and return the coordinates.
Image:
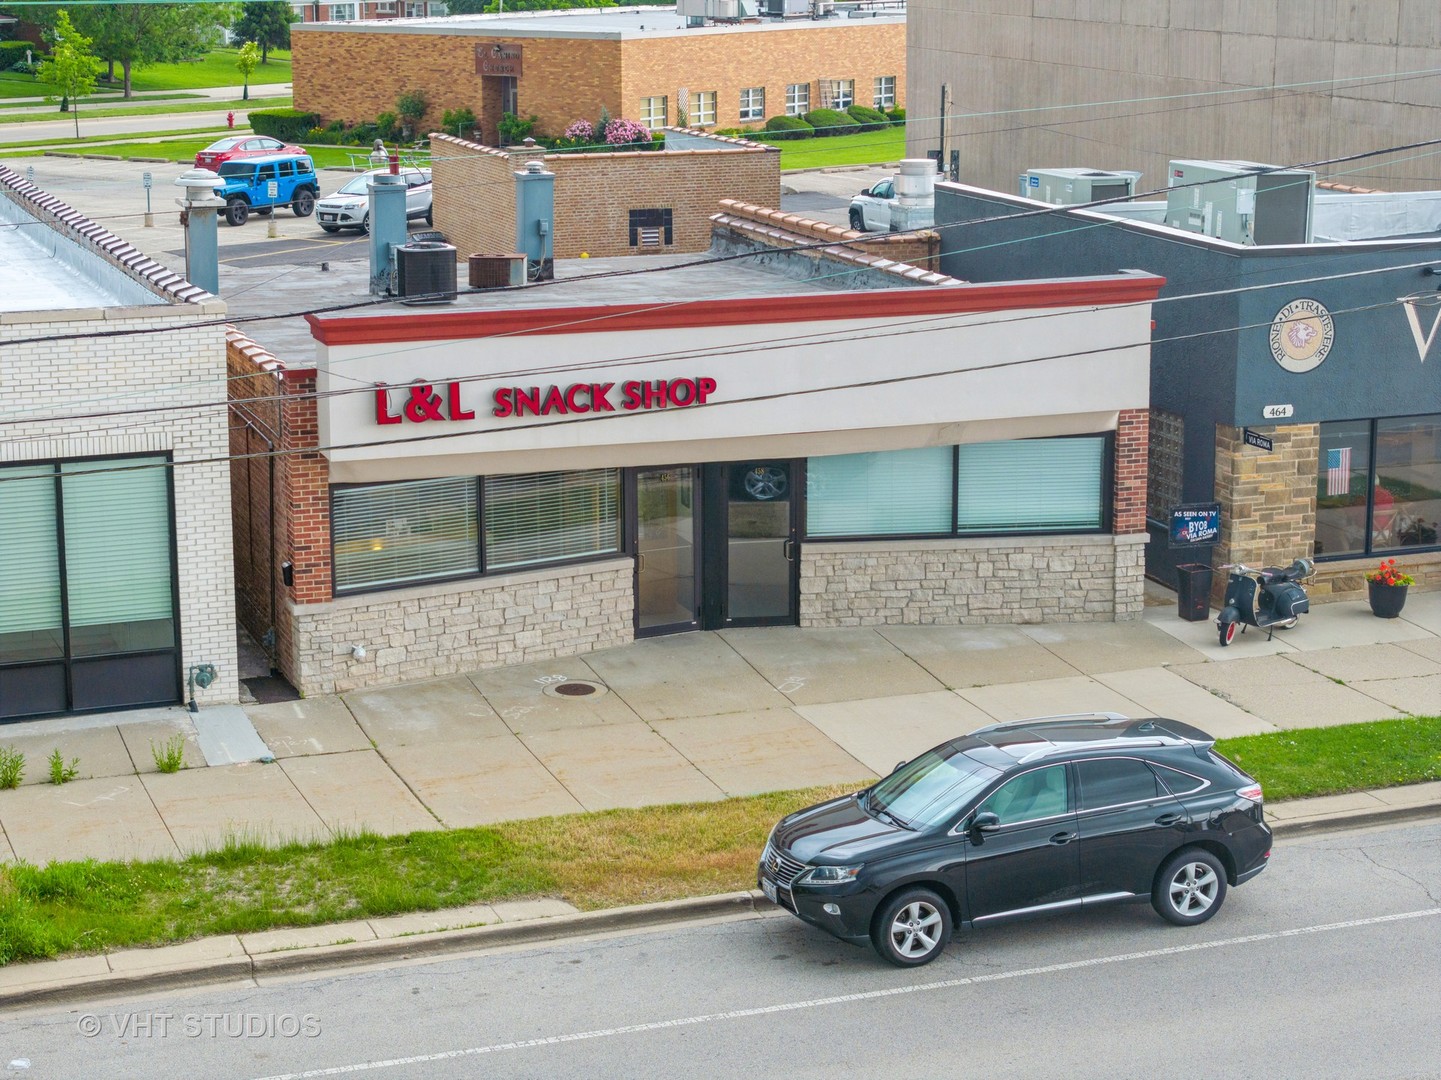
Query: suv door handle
(1063, 838)
(1166, 820)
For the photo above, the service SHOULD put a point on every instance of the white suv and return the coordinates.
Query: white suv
(349, 208)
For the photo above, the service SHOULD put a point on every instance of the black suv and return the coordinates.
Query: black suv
(1021, 819)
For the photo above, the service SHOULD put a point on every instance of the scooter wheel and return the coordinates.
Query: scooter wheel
(1228, 633)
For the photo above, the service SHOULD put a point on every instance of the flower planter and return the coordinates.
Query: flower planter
(1386, 600)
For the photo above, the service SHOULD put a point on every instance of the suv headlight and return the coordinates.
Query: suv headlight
(829, 875)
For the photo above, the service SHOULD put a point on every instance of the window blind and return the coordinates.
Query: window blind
(117, 541)
(543, 517)
(415, 530)
(879, 494)
(1030, 485)
(29, 557)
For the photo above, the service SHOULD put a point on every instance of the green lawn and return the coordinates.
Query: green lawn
(216, 68)
(592, 860)
(139, 108)
(866, 148)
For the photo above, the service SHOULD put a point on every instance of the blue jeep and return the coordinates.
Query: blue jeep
(245, 185)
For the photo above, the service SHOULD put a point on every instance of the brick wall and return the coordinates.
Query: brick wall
(951, 582)
(1129, 496)
(256, 382)
(442, 629)
(356, 72)
(594, 194)
(785, 230)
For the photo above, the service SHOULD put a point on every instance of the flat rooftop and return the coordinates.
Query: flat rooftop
(40, 270)
(251, 291)
(623, 24)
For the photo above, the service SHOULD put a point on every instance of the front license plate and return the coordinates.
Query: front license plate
(327, 217)
(769, 888)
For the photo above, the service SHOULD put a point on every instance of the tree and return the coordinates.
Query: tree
(71, 68)
(245, 63)
(266, 22)
(134, 35)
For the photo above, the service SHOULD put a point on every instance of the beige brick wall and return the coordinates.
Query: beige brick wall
(594, 194)
(442, 629)
(354, 73)
(949, 582)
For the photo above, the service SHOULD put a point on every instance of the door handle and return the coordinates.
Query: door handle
(788, 549)
(1167, 820)
(1063, 838)
(639, 563)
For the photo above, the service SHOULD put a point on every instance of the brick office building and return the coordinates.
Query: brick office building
(642, 63)
(115, 533)
(562, 468)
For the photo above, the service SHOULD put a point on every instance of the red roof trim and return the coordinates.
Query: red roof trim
(890, 304)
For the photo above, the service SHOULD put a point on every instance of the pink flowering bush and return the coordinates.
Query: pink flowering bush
(580, 132)
(620, 131)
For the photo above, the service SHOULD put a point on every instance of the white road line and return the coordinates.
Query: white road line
(845, 999)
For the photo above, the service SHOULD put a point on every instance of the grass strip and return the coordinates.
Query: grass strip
(215, 68)
(594, 860)
(162, 109)
(110, 140)
(186, 149)
(865, 148)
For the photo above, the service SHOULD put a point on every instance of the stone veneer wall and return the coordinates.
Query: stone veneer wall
(1095, 578)
(455, 626)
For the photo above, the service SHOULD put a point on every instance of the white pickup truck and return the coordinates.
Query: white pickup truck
(871, 210)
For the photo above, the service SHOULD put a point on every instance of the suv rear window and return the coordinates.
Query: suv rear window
(1114, 781)
(235, 168)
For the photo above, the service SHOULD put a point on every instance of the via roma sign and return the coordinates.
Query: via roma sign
(423, 402)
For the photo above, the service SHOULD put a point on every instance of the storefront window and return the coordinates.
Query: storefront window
(30, 612)
(546, 517)
(1017, 486)
(1030, 485)
(416, 530)
(1407, 495)
(890, 493)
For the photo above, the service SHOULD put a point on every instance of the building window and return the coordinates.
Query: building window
(342, 12)
(1382, 499)
(702, 108)
(385, 535)
(884, 97)
(87, 618)
(798, 99)
(549, 517)
(1016, 486)
(838, 93)
(753, 103)
(653, 112)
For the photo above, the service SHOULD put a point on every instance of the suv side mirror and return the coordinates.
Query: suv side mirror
(985, 821)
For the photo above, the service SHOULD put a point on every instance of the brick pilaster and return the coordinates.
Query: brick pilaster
(1129, 494)
(304, 492)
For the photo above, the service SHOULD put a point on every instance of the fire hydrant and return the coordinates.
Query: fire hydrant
(230, 120)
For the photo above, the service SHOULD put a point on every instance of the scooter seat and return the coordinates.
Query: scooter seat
(1272, 574)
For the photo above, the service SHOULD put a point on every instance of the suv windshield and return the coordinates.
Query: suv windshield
(925, 792)
(235, 168)
(356, 186)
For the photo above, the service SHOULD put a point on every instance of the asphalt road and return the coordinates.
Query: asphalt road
(1328, 965)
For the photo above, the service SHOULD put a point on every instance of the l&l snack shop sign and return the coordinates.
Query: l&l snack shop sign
(419, 403)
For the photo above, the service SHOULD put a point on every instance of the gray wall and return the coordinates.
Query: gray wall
(1000, 56)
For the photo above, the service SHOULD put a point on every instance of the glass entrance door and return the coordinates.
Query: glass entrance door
(759, 543)
(667, 550)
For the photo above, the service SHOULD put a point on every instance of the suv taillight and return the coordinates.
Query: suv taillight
(1253, 792)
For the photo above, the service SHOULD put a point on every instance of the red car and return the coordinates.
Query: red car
(235, 147)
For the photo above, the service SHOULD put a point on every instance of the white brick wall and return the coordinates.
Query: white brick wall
(128, 375)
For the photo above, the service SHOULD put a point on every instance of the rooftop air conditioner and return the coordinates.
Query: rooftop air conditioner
(425, 272)
(1241, 201)
(1072, 187)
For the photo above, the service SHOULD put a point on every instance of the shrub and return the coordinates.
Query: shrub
(831, 122)
(788, 127)
(580, 133)
(411, 107)
(623, 132)
(514, 130)
(896, 116)
(868, 119)
(458, 122)
(287, 125)
(387, 126)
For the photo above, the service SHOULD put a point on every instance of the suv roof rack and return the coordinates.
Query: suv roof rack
(1059, 718)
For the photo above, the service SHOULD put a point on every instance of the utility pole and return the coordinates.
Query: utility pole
(944, 122)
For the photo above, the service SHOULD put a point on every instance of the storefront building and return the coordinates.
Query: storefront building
(1296, 384)
(115, 536)
(512, 484)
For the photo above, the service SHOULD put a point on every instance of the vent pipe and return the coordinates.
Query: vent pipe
(535, 218)
(387, 224)
(199, 215)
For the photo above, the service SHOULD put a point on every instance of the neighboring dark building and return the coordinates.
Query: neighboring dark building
(1325, 348)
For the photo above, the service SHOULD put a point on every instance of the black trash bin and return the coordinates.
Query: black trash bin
(1193, 595)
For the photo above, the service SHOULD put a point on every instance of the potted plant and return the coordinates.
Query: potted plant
(1387, 588)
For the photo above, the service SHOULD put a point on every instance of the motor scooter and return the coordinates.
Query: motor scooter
(1267, 599)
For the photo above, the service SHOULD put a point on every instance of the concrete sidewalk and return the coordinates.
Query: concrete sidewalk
(693, 718)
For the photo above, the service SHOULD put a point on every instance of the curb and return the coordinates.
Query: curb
(744, 904)
(327, 957)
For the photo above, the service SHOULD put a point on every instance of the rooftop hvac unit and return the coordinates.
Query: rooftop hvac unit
(715, 9)
(497, 271)
(425, 272)
(1071, 187)
(1241, 202)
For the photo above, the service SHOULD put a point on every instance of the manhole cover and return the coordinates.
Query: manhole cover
(573, 688)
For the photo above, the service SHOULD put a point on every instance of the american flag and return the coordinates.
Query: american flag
(1338, 471)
